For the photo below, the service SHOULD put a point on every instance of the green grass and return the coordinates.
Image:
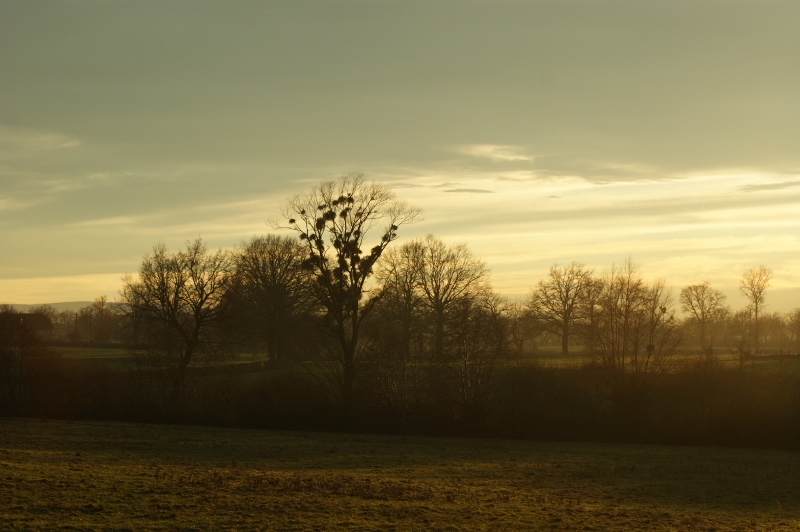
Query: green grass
(114, 358)
(101, 476)
(119, 358)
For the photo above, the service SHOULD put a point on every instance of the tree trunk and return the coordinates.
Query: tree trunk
(565, 339)
(439, 335)
(703, 335)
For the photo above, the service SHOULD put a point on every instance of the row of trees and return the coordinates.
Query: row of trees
(338, 294)
(410, 333)
(565, 304)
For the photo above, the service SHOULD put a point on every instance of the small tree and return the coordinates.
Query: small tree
(333, 221)
(447, 276)
(633, 336)
(559, 301)
(181, 296)
(702, 302)
(753, 285)
(398, 273)
(793, 324)
(273, 289)
(523, 326)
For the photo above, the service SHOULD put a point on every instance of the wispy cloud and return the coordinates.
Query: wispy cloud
(770, 186)
(471, 190)
(111, 221)
(14, 140)
(495, 152)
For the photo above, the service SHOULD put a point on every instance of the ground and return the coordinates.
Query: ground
(115, 476)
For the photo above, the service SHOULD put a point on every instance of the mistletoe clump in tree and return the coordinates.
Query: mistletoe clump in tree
(336, 221)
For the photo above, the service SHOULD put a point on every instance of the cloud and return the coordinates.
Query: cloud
(106, 222)
(471, 190)
(769, 186)
(15, 140)
(495, 152)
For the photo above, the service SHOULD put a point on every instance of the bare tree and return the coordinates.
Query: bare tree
(793, 324)
(333, 221)
(182, 295)
(398, 273)
(447, 275)
(274, 289)
(634, 333)
(104, 320)
(702, 302)
(753, 285)
(479, 340)
(559, 301)
(523, 326)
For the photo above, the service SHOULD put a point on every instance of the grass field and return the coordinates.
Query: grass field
(118, 358)
(113, 476)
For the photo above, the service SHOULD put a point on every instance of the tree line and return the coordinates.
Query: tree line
(374, 334)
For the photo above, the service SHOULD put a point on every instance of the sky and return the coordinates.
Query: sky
(534, 132)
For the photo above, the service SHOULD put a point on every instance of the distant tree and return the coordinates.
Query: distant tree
(523, 326)
(634, 334)
(478, 339)
(274, 290)
(395, 331)
(702, 302)
(11, 360)
(447, 276)
(398, 274)
(753, 285)
(333, 221)
(104, 319)
(793, 324)
(45, 310)
(560, 301)
(181, 296)
(20, 353)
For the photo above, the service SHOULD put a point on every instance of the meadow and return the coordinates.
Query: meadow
(60, 475)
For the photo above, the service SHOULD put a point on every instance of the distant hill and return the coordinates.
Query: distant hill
(68, 305)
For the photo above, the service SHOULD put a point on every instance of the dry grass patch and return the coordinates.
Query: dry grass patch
(113, 476)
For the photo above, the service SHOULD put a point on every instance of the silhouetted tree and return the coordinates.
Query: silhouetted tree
(753, 285)
(701, 302)
(634, 334)
(20, 354)
(274, 290)
(479, 342)
(334, 220)
(560, 301)
(397, 330)
(447, 276)
(523, 326)
(793, 324)
(181, 296)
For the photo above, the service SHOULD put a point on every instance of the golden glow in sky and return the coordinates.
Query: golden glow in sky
(534, 132)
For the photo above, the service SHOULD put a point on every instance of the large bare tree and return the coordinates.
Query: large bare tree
(398, 274)
(702, 302)
(753, 285)
(336, 222)
(558, 302)
(447, 275)
(274, 289)
(634, 333)
(182, 295)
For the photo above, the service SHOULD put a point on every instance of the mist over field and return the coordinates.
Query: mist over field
(404, 265)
